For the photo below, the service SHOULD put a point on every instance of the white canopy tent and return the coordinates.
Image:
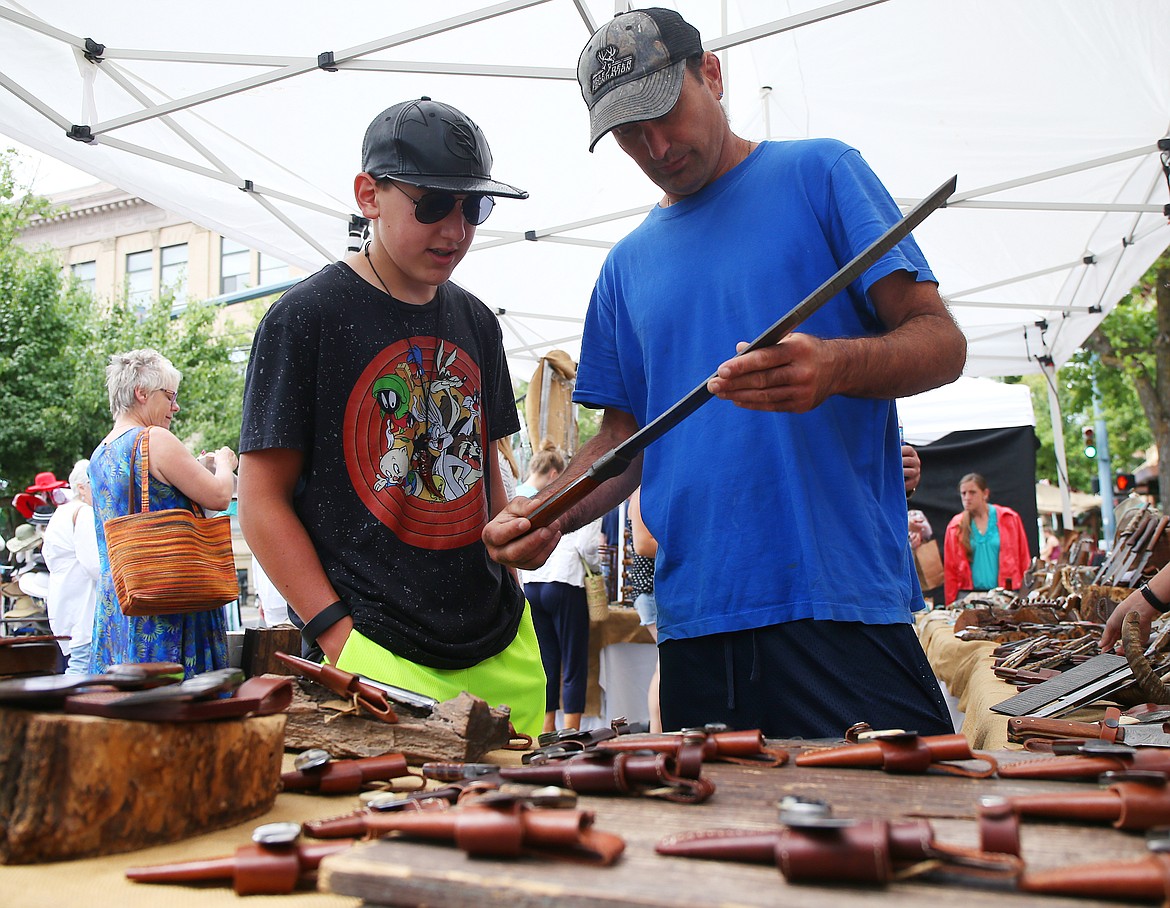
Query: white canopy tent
(1050, 113)
(969, 403)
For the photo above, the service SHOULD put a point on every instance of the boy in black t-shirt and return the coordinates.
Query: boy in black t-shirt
(375, 393)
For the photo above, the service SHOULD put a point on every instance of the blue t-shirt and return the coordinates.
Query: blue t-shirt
(761, 518)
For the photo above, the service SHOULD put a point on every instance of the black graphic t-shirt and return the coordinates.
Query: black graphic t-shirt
(394, 407)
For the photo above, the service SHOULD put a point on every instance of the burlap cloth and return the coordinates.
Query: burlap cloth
(965, 666)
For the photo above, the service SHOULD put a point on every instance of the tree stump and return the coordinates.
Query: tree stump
(78, 786)
(462, 729)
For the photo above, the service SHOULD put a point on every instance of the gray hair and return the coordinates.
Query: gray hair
(79, 476)
(146, 369)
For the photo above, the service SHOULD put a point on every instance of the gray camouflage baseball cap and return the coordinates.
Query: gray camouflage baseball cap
(632, 68)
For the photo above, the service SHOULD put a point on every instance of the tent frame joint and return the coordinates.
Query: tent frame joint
(81, 134)
(94, 51)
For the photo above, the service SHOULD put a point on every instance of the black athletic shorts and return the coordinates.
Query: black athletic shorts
(803, 679)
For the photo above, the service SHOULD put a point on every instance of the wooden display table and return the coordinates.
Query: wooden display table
(402, 873)
(397, 872)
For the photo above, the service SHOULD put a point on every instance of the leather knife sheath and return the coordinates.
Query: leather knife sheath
(1147, 879)
(253, 870)
(600, 772)
(347, 776)
(507, 831)
(1126, 804)
(863, 852)
(747, 747)
(346, 685)
(902, 753)
(1089, 765)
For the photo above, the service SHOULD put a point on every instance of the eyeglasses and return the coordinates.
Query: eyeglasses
(433, 206)
(172, 396)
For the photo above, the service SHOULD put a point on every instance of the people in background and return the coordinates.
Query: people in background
(143, 387)
(641, 575)
(509, 468)
(546, 465)
(986, 545)
(1051, 549)
(777, 607)
(273, 608)
(911, 469)
(71, 554)
(560, 609)
(917, 525)
(375, 394)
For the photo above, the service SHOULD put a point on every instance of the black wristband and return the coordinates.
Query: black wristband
(323, 620)
(1155, 603)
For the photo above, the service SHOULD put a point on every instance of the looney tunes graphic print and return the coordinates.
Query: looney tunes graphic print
(414, 442)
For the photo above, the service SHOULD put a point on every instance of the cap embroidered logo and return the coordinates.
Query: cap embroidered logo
(611, 66)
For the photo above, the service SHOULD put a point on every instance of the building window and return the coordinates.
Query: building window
(235, 266)
(86, 274)
(272, 270)
(173, 271)
(140, 279)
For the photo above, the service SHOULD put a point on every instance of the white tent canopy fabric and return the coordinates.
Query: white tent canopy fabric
(1048, 111)
(969, 403)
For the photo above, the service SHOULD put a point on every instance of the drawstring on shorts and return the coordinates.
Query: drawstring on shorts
(729, 665)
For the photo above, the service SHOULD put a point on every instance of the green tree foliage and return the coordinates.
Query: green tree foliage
(40, 322)
(55, 342)
(1129, 358)
(1125, 423)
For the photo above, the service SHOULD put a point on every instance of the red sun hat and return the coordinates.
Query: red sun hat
(46, 482)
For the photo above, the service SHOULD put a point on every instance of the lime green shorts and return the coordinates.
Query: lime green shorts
(514, 677)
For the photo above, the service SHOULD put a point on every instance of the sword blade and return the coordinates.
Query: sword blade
(614, 462)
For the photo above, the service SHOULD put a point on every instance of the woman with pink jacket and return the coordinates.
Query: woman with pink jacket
(986, 545)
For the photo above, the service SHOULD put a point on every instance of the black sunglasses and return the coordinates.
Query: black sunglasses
(433, 206)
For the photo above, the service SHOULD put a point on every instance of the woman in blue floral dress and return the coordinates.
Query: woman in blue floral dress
(143, 387)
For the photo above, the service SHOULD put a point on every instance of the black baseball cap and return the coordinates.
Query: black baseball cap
(432, 145)
(632, 68)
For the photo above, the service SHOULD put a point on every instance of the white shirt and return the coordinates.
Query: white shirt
(273, 608)
(71, 554)
(564, 564)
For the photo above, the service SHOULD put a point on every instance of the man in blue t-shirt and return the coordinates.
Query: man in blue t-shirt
(784, 577)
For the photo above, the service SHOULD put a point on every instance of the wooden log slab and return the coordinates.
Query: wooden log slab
(462, 729)
(79, 786)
